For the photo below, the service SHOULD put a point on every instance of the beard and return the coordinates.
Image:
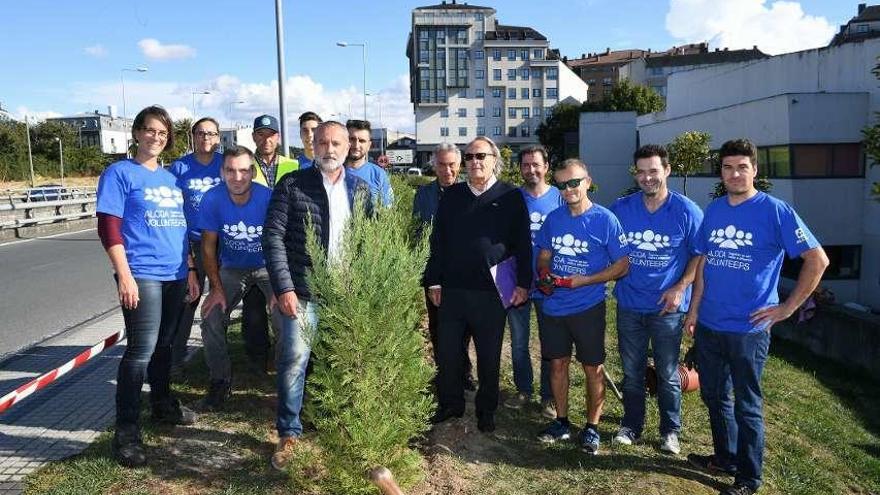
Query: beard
(329, 164)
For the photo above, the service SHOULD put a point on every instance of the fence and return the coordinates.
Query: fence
(45, 205)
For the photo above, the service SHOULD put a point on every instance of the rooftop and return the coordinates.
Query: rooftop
(503, 32)
(452, 5)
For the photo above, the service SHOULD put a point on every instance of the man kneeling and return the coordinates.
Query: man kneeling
(231, 216)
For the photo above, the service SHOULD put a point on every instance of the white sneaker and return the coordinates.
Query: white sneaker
(624, 436)
(670, 443)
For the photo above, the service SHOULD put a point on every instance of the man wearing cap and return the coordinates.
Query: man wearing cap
(271, 166)
(308, 121)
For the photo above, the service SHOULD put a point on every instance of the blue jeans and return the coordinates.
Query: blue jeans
(292, 357)
(634, 331)
(518, 319)
(150, 330)
(733, 362)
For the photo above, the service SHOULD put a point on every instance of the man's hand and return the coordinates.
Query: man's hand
(192, 287)
(520, 296)
(215, 298)
(273, 301)
(690, 323)
(545, 281)
(671, 299)
(287, 303)
(770, 315)
(434, 295)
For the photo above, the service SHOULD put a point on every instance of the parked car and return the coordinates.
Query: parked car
(414, 171)
(46, 192)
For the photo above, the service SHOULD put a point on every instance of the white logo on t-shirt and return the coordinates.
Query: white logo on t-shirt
(203, 184)
(730, 237)
(164, 196)
(801, 235)
(648, 240)
(536, 220)
(243, 232)
(567, 244)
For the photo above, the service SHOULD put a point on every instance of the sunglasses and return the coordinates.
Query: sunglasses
(571, 183)
(479, 156)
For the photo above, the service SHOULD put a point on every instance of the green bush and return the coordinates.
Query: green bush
(369, 389)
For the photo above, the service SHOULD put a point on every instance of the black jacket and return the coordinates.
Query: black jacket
(472, 233)
(297, 196)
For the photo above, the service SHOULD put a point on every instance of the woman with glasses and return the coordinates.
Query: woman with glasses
(196, 173)
(142, 226)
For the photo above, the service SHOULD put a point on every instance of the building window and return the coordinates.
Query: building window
(511, 74)
(462, 112)
(552, 73)
(524, 93)
(462, 93)
(826, 160)
(511, 131)
(536, 111)
(591, 81)
(479, 74)
(479, 93)
(444, 131)
(441, 35)
(424, 34)
(424, 73)
(606, 81)
(552, 93)
(496, 111)
(496, 54)
(536, 93)
(496, 131)
(511, 93)
(524, 131)
(497, 92)
(478, 16)
(480, 35)
(538, 54)
(525, 112)
(862, 28)
(441, 93)
(524, 74)
(511, 54)
(481, 131)
(444, 113)
(481, 112)
(423, 56)
(461, 37)
(478, 54)
(524, 54)
(844, 263)
(536, 73)
(548, 112)
(511, 112)
(496, 74)
(424, 94)
(462, 131)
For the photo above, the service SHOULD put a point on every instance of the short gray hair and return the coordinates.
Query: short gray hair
(499, 163)
(573, 162)
(445, 148)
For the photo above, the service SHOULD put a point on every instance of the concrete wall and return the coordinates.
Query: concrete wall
(607, 143)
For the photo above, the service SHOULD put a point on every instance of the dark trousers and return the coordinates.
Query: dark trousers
(255, 327)
(188, 311)
(432, 331)
(149, 330)
(481, 314)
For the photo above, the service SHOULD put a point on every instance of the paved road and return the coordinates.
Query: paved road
(50, 284)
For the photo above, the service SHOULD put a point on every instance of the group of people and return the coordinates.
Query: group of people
(238, 219)
(713, 274)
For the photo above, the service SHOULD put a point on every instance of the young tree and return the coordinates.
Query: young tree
(688, 154)
(555, 129)
(509, 169)
(627, 97)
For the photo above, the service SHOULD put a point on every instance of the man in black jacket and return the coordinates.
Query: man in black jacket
(478, 224)
(326, 194)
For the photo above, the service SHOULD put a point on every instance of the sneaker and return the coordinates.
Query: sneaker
(589, 440)
(283, 453)
(470, 385)
(517, 401)
(445, 413)
(707, 463)
(669, 443)
(548, 409)
(738, 489)
(172, 413)
(555, 432)
(486, 422)
(218, 393)
(624, 436)
(128, 450)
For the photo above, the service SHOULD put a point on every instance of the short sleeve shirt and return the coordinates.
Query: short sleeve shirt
(377, 178)
(239, 228)
(194, 180)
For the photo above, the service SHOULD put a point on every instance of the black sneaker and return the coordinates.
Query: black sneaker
(127, 449)
(171, 412)
(470, 384)
(445, 413)
(218, 393)
(486, 422)
(707, 463)
(738, 489)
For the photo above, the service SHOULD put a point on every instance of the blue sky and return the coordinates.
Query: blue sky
(62, 57)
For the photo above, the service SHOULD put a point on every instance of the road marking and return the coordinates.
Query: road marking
(22, 241)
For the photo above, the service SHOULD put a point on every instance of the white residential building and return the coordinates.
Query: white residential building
(107, 131)
(471, 76)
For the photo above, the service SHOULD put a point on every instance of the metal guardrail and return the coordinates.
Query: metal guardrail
(45, 204)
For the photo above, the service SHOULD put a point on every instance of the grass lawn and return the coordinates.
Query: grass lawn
(823, 437)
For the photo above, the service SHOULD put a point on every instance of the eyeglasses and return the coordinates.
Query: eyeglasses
(203, 134)
(479, 156)
(154, 132)
(571, 183)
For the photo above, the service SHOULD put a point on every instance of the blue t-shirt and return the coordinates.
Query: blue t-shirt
(538, 209)
(375, 177)
(239, 228)
(195, 179)
(662, 243)
(153, 223)
(581, 245)
(304, 162)
(744, 246)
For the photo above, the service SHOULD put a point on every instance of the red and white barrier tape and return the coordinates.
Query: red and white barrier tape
(45, 379)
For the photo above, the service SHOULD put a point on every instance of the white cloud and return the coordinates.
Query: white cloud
(34, 115)
(155, 50)
(98, 50)
(780, 27)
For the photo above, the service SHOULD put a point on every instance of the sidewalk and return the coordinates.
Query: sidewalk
(65, 417)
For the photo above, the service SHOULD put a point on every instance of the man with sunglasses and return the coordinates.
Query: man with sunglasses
(661, 227)
(358, 162)
(196, 173)
(582, 247)
(479, 224)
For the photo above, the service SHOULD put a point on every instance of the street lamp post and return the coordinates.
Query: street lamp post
(194, 93)
(231, 103)
(282, 77)
(363, 46)
(27, 128)
(124, 113)
(61, 159)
